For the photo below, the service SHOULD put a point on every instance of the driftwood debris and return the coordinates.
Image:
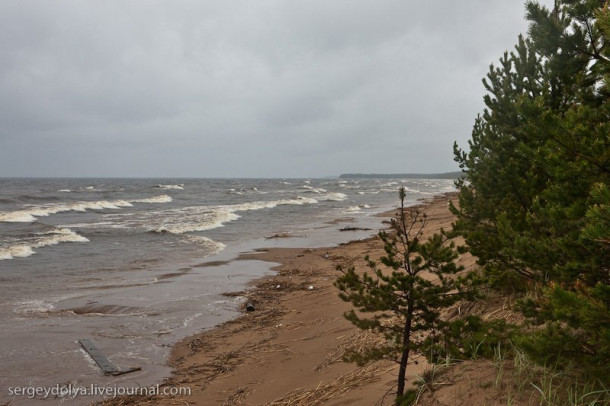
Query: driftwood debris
(347, 228)
(100, 359)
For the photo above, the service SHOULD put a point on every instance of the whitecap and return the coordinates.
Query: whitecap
(54, 237)
(156, 199)
(30, 214)
(195, 219)
(171, 187)
(16, 251)
(300, 200)
(353, 209)
(20, 216)
(334, 197)
(271, 204)
(357, 209)
(211, 247)
(349, 187)
(203, 218)
(313, 189)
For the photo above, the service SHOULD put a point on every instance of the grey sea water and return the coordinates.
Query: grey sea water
(122, 262)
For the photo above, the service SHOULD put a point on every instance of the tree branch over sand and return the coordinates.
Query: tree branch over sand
(405, 297)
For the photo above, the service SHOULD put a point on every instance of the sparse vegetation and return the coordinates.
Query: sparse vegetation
(405, 298)
(534, 208)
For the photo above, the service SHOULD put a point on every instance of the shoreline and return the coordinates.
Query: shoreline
(289, 349)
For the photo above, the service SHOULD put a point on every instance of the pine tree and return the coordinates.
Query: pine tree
(537, 149)
(406, 296)
(532, 202)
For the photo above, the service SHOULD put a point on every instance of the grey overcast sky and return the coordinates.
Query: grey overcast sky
(243, 88)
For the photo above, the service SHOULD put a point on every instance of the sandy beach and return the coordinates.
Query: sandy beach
(288, 351)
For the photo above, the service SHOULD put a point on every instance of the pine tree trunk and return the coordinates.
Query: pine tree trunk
(406, 347)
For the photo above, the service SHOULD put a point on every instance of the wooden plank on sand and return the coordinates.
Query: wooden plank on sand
(100, 359)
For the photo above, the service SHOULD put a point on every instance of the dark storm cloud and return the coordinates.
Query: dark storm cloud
(243, 88)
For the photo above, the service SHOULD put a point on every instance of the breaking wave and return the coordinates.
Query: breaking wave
(156, 199)
(333, 197)
(312, 189)
(30, 214)
(27, 248)
(171, 187)
(210, 246)
(203, 218)
(357, 209)
(353, 209)
(193, 219)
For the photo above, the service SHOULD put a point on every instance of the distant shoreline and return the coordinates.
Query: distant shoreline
(445, 175)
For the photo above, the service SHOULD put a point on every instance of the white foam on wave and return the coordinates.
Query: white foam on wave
(100, 224)
(357, 209)
(30, 214)
(54, 237)
(334, 197)
(171, 187)
(204, 218)
(299, 201)
(156, 199)
(211, 247)
(20, 216)
(348, 186)
(32, 307)
(40, 307)
(193, 219)
(417, 191)
(395, 190)
(313, 189)
(16, 251)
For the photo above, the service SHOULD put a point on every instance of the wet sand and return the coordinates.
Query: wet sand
(288, 351)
